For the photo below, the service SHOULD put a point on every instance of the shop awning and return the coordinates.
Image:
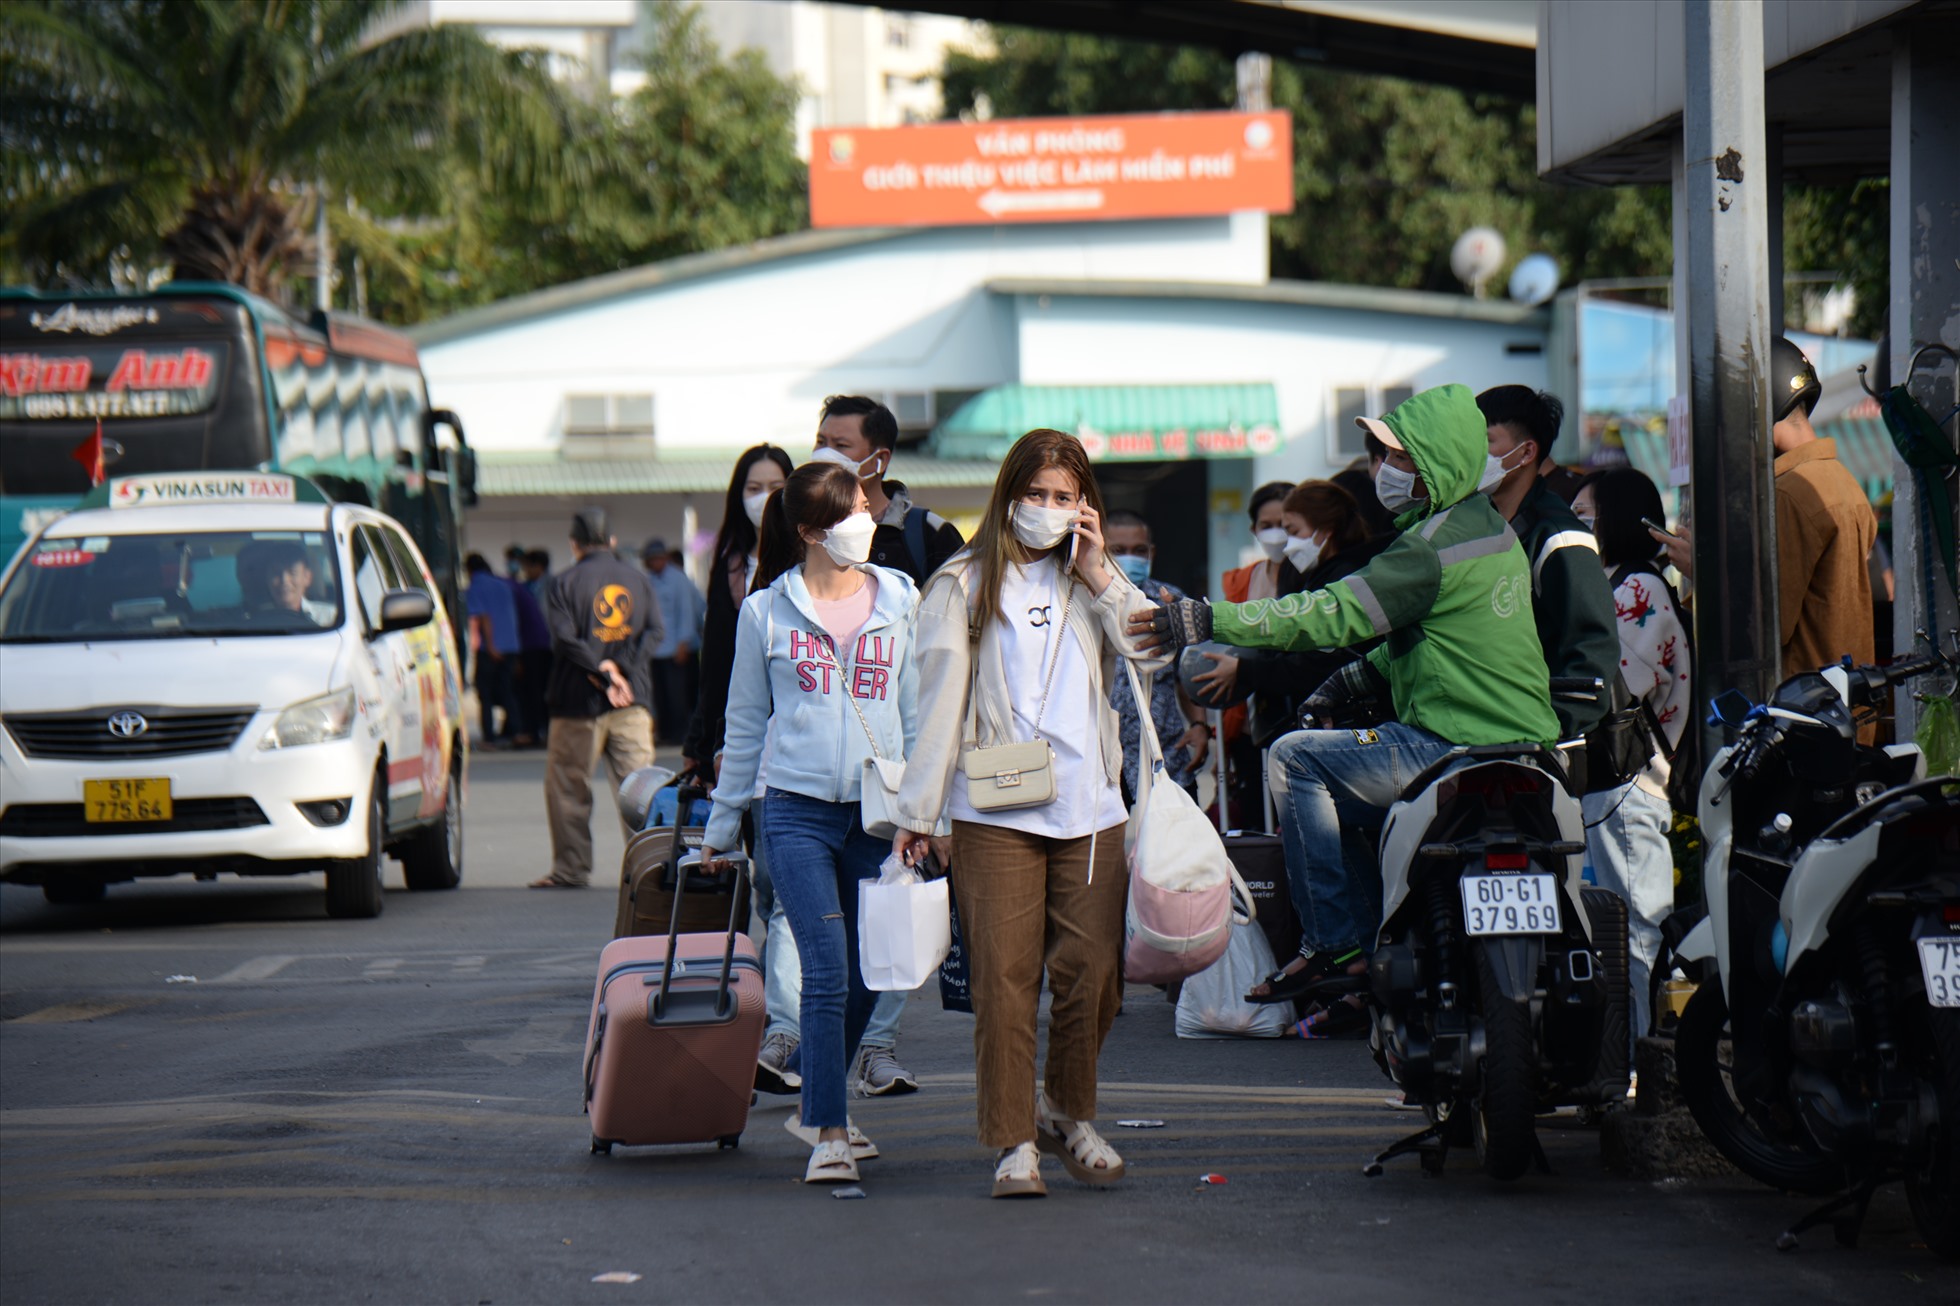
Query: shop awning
(512, 475)
(1864, 446)
(1119, 423)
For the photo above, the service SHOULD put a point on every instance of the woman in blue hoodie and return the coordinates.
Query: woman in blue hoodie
(823, 670)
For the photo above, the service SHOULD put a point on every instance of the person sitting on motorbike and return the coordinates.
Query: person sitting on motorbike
(1461, 662)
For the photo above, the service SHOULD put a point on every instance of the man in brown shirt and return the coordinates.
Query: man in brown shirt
(1824, 530)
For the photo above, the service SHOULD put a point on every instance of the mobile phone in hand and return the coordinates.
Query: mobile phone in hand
(1659, 529)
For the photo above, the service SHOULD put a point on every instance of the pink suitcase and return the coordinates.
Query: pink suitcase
(670, 1050)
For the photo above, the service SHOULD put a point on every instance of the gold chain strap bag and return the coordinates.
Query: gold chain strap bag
(1006, 777)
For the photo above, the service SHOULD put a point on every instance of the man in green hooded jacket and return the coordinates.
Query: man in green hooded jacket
(1462, 661)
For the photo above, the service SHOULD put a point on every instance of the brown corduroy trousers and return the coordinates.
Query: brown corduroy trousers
(1026, 903)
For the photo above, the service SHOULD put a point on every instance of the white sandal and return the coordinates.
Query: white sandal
(862, 1148)
(1082, 1151)
(831, 1163)
(1018, 1173)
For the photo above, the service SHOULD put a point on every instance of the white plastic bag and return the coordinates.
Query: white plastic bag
(1213, 1003)
(905, 927)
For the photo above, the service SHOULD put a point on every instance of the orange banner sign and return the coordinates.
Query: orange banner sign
(1173, 165)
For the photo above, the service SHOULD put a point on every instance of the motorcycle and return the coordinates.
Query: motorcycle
(1822, 1052)
(1498, 983)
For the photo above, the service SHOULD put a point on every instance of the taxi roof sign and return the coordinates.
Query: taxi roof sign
(171, 489)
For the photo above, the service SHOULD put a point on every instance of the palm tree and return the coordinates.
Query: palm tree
(205, 131)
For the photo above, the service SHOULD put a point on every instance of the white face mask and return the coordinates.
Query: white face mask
(1303, 551)
(849, 542)
(753, 504)
(1272, 541)
(836, 459)
(1396, 489)
(1495, 470)
(1041, 528)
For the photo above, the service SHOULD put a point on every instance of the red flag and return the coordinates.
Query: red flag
(89, 454)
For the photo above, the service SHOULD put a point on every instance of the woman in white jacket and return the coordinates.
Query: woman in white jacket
(823, 670)
(1019, 638)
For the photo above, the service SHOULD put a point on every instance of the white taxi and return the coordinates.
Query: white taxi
(225, 672)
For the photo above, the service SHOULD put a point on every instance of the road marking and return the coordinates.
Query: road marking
(545, 1035)
(255, 970)
(87, 1009)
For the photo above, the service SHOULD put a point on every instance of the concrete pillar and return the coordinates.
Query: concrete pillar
(1726, 176)
(1925, 310)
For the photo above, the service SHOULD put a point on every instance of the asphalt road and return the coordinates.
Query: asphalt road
(388, 1111)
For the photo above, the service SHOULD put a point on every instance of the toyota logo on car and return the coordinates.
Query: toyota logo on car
(127, 725)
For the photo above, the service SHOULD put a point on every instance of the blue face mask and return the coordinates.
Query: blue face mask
(1135, 567)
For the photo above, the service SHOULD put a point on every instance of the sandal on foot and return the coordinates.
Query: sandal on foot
(831, 1163)
(862, 1148)
(1079, 1147)
(1018, 1173)
(1285, 986)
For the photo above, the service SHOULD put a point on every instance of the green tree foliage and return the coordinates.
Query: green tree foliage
(703, 156)
(1387, 173)
(1846, 230)
(195, 132)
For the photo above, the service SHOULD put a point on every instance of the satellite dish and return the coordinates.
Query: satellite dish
(1535, 279)
(1476, 256)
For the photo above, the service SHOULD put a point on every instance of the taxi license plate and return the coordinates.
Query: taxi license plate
(126, 800)
(1939, 962)
(1510, 904)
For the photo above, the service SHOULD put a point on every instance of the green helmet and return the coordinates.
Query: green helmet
(1792, 380)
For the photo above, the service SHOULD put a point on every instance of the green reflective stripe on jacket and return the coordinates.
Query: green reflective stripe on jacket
(1463, 659)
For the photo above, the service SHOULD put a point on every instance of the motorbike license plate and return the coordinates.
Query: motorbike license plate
(1510, 904)
(126, 800)
(1939, 962)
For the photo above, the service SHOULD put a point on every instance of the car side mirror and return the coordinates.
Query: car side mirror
(404, 610)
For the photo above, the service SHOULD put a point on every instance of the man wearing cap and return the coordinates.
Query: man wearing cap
(681, 610)
(1461, 661)
(604, 626)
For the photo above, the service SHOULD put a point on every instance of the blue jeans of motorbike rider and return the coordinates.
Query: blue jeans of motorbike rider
(1333, 789)
(817, 855)
(1627, 848)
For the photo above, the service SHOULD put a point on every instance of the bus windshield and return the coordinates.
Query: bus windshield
(181, 586)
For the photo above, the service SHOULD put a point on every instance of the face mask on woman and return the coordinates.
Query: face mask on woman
(753, 504)
(1135, 566)
(1272, 541)
(1303, 551)
(1396, 489)
(1041, 528)
(849, 542)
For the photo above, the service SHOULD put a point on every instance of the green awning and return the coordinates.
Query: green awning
(509, 475)
(1864, 446)
(1119, 423)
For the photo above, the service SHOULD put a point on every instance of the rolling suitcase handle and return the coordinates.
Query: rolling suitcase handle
(658, 1009)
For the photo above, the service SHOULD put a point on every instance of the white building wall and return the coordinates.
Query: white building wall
(749, 354)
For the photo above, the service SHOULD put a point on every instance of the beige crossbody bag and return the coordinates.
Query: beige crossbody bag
(1006, 777)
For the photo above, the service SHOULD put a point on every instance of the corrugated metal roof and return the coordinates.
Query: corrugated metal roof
(509, 475)
(1119, 421)
(1864, 446)
(1307, 294)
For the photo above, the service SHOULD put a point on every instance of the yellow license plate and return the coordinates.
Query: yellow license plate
(126, 800)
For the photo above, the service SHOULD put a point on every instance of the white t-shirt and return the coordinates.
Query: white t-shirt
(1086, 799)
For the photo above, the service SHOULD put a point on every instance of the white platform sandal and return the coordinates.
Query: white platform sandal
(1081, 1150)
(862, 1148)
(831, 1163)
(1018, 1173)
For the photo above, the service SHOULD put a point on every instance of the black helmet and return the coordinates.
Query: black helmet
(1792, 380)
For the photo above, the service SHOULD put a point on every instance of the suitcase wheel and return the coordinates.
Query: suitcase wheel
(729, 1142)
(601, 1146)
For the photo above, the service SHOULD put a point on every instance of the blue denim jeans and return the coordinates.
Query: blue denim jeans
(817, 854)
(1627, 847)
(1333, 789)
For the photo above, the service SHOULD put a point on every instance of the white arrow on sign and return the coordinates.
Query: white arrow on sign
(997, 202)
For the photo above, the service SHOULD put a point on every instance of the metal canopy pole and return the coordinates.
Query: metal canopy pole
(1725, 169)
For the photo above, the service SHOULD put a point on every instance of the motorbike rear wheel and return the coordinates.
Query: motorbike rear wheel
(1507, 1107)
(1702, 1061)
(1933, 1187)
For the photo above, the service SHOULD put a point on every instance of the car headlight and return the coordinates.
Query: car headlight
(315, 721)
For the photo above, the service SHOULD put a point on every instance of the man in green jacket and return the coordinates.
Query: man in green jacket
(1462, 662)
